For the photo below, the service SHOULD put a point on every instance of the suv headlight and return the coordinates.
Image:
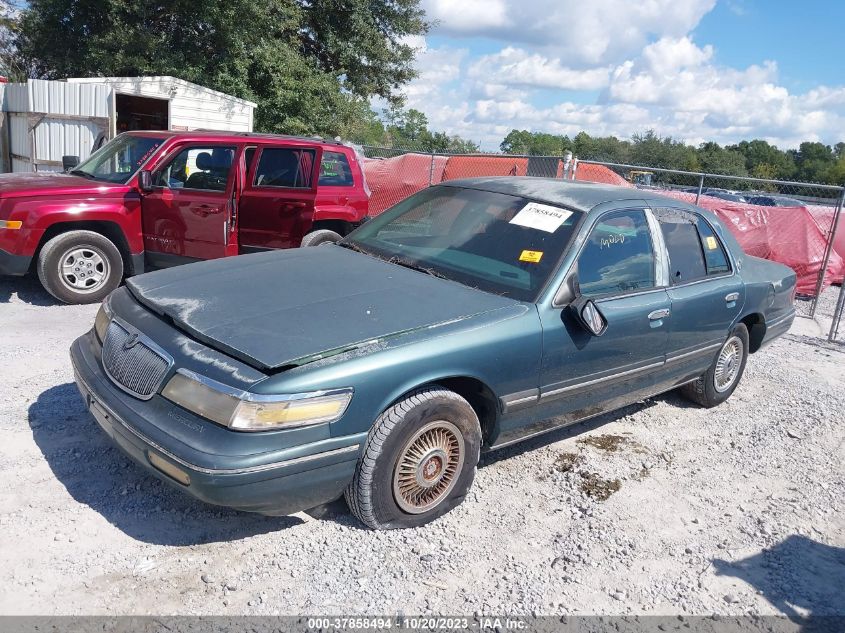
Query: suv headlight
(101, 322)
(244, 411)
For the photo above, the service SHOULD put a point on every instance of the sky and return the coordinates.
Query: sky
(695, 70)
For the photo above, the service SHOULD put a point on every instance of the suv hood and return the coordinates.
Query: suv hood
(285, 308)
(51, 184)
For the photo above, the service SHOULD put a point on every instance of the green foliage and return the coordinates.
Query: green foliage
(309, 64)
(408, 130)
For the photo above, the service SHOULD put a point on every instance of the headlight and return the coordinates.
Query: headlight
(101, 322)
(244, 411)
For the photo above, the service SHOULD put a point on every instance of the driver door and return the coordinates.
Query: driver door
(187, 216)
(582, 374)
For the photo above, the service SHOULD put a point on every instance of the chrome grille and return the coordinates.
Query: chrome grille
(131, 363)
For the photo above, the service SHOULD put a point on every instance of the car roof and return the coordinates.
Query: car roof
(572, 194)
(220, 135)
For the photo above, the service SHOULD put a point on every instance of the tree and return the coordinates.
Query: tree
(311, 65)
(11, 65)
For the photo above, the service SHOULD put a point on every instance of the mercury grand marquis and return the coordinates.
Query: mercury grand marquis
(472, 315)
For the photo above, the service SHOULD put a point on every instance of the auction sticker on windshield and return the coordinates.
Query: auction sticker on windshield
(541, 217)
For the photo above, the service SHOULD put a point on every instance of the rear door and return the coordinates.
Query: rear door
(277, 202)
(187, 215)
(707, 295)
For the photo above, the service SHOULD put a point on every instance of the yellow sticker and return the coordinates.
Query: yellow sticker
(531, 256)
(711, 243)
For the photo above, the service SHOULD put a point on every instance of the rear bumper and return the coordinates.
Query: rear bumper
(11, 264)
(316, 475)
(778, 327)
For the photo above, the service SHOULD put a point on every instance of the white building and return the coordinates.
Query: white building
(42, 121)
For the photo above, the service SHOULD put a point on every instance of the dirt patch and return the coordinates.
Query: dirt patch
(611, 443)
(597, 487)
(566, 462)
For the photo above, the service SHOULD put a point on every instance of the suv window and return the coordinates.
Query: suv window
(618, 255)
(335, 171)
(284, 167)
(205, 168)
(694, 250)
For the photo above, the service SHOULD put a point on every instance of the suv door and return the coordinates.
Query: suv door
(707, 294)
(187, 214)
(277, 201)
(582, 375)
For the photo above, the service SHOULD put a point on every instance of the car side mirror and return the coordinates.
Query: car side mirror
(587, 313)
(69, 162)
(145, 180)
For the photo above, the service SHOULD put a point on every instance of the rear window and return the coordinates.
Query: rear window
(335, 171)
(693, 248)
(283, 167)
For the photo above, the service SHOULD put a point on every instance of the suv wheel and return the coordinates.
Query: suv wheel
(320, 236)
(80, 267)
(720, 381)
(419, 461)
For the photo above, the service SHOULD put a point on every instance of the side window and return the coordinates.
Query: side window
(335, 171)
(714, 253)
(618, 256)
(204, 168)
(694, 250)
(283, 167)
(249, 154)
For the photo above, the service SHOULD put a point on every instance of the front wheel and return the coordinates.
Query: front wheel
(80, 267)
(320, 236)
(723, 376)
(419, 461)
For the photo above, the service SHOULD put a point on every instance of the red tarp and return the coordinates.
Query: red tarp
(794, 236)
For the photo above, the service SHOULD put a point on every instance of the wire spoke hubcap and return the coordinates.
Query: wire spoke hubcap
(428, 467)
(727, 364)
(83, 269)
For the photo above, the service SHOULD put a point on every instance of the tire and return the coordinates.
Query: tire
(100, 270)
(320, 236)
(380, 493)
(712, 388)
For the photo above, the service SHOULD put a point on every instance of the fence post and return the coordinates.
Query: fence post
(700, 187)
(828, 249)
(431, 171)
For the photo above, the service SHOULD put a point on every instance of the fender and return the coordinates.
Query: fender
(123, 209)
(344, 213)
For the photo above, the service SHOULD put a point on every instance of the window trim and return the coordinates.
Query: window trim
(622, 293)
(168, 159)
(291, 148)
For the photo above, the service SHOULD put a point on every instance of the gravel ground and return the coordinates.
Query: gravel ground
(661, 508)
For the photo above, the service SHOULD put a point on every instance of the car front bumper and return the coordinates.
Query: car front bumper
(313, 474)
(11, 264)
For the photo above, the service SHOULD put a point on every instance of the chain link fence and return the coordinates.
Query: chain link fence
(794, 223)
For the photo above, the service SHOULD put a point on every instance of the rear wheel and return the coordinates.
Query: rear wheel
(724, 374)
(419, 461)
(320, 236)
(80, 267)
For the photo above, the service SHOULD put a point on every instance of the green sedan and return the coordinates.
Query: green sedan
(472, 315)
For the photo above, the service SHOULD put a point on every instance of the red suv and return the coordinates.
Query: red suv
(154, 199)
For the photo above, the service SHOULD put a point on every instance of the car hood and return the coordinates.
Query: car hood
(51, 184)
(286, 308)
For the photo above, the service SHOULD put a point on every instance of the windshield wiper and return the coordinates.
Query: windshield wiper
(414, 266)
(84, 174)
(352, 246)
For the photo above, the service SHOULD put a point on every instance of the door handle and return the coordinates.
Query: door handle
(730, 298)
(659, 314)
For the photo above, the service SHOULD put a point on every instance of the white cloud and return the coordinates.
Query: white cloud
(516, 67)
(594, 32)
(639, 57)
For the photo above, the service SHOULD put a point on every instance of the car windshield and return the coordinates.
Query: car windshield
(119, 159)
(503, 244)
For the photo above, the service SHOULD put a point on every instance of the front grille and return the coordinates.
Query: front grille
(131, 363)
